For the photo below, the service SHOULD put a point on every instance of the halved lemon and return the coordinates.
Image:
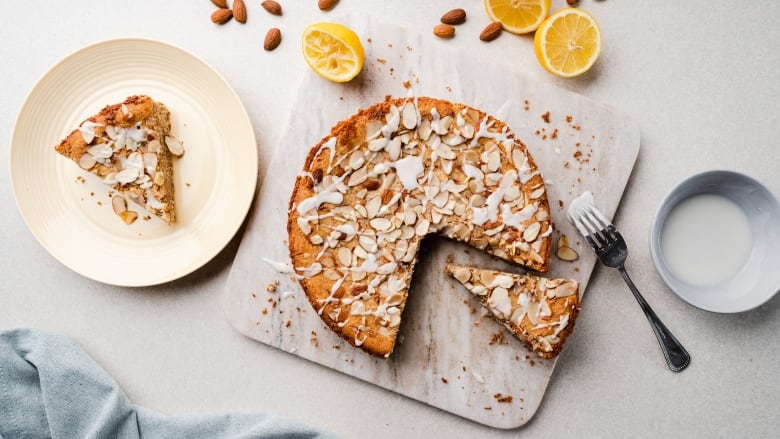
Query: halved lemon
(568, 42)
(333, 51)
(518, 16)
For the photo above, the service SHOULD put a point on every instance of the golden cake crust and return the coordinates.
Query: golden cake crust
(539, 312)
(134, 112)
(362, 205)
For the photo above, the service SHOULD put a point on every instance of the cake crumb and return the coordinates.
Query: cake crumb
(381, 60)
(449, 259)
(444, 380)
(407, 85)
(504, 399)
(546, 117)
(271, 288)
(496, 338)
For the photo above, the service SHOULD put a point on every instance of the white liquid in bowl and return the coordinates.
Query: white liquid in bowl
(706, 239)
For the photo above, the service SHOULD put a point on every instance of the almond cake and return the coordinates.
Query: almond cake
(129, 146)
(382, 180)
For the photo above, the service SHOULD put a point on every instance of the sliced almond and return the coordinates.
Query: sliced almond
(567, 254)
(563, 241)
(462, 274)
(119, 204)
(87, 161)
(409, 116)
(129, 216)
(174, 145)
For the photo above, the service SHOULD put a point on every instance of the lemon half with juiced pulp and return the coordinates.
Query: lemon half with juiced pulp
(333, 51)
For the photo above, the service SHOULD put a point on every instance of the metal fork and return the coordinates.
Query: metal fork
(612, 250)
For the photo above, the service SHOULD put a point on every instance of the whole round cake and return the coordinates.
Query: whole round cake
(382, 180)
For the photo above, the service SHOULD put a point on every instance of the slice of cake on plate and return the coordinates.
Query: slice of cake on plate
(129, 146)
(539, 312)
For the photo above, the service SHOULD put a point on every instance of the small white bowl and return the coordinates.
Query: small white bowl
(759, 278)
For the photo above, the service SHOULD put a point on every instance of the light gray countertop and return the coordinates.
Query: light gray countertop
(699, 77)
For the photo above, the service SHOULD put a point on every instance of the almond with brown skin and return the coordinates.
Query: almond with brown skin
(273, 8)
(221, 16)
(327, 5)
(444, 31)
(239, 11)
(491, 31)
(220, 3)
(272, 39)
(455, 16)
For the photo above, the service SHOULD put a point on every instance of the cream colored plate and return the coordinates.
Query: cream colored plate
(72, 217)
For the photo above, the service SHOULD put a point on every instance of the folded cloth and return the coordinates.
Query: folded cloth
(50, 388)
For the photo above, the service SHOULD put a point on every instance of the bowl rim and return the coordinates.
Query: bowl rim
(655, 231)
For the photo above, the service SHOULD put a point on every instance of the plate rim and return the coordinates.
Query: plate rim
(250, 162)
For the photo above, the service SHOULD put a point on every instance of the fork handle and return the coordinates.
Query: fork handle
(677, 358)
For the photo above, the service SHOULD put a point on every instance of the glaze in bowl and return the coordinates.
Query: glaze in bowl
(758, 280)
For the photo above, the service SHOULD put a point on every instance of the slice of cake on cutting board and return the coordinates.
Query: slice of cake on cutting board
(538, 311)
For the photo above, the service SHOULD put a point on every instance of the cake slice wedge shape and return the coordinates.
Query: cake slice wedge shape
(129, 146)
(538, 311)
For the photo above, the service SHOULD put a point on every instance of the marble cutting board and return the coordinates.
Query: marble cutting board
(450, 354)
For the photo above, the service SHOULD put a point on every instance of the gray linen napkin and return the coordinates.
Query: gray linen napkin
(50, 388)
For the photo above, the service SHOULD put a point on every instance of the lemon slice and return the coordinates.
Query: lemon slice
(333, 51)
(568, 42)
(518, 16)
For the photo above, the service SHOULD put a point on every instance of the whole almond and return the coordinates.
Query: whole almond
(444, 31)
(491, 31)
(327, 5)
(220, 3)
(272, 7)
(239, 11)
(455, 16)
(272, 39)
(221, 16)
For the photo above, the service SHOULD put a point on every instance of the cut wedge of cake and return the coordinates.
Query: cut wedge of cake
(129, 146)
(539, 312)
(382, 180)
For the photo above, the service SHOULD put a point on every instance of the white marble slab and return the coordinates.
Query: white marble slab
(448, 355)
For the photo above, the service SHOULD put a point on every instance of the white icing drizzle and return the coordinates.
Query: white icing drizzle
(331, 144)
(88, 130)
(408, 169)
(332, 297)
(516, 220)
(315, 201)
(281, 267)
(490, 211)
(391, 126)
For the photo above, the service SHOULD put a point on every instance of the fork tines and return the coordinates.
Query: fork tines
(594, 226)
